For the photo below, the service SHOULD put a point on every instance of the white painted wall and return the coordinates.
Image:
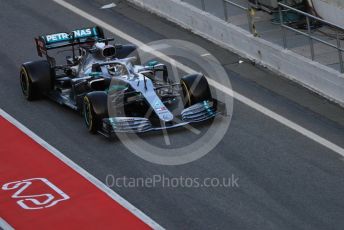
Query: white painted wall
(330, 10)
(317, 77)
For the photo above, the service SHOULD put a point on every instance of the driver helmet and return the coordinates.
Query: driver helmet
(115, 70)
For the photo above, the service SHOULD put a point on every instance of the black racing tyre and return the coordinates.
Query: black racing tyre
(94, 110)
(35, 79)
(195, 89)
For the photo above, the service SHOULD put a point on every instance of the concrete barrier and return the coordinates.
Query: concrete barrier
(312, 75)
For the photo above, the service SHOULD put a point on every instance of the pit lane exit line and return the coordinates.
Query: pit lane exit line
(31, 166)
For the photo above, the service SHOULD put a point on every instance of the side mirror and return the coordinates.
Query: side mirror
(161, 68)
(98, 84)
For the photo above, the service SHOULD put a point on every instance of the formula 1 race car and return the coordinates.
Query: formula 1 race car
(109, 86)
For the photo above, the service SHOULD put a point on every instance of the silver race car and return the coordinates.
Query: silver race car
(110, 86)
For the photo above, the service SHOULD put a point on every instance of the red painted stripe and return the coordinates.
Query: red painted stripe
(21, 158)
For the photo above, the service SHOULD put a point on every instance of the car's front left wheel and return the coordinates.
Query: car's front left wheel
(94, 110)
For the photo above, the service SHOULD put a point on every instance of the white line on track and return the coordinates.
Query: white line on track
(100, 185)
(4, 225)
(108, 6)
(290, 124)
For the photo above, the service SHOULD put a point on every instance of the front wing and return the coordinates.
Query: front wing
(196, 113)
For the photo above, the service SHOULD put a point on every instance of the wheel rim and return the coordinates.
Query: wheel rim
(24, 82)
(186, 94)
(87, 113)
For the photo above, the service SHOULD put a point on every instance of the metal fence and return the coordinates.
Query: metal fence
(248, 10)
(226, 4)
(311, 37)
(284, 24)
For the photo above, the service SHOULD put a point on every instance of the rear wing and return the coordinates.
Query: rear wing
(59, 40)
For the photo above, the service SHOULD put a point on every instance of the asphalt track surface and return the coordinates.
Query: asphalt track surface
(286, 181)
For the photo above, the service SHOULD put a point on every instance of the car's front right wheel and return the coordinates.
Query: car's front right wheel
(195, 89)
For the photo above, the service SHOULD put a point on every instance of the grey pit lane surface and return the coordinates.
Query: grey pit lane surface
(286, 181)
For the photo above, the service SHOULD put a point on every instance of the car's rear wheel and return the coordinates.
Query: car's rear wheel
(35, 79)
(26, 85)
(195, 89)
